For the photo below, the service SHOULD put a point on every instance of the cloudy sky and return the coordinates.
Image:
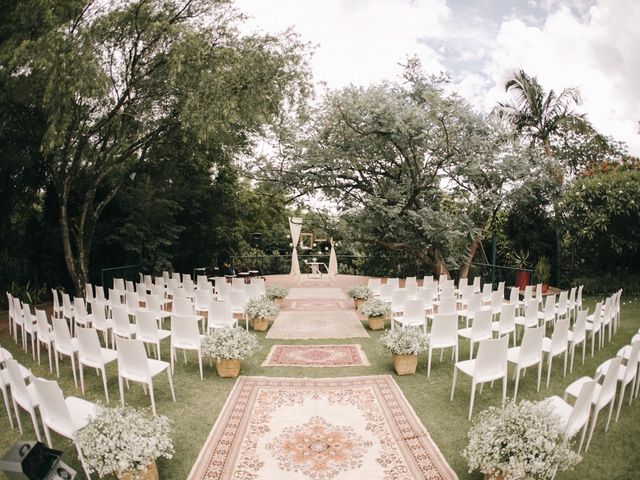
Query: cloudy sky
(590, 44)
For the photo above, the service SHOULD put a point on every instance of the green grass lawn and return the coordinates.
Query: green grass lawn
(612, 455)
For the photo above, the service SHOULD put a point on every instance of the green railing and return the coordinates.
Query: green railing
(500, 273)
(126, 272)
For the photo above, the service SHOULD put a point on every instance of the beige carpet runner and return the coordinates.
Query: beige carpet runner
(317, 313)
(316, 356)
(358, 428)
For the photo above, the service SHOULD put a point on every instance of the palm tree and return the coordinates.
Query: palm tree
(536, 114)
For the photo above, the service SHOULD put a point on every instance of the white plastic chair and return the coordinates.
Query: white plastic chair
(220, 316)
(575, 417)
(506, 325)
(374, 285)
(413, 315)
(91, 354)
(398, 300)
(182, 306)
(238, 301)
(118, 284)
(148, 331)
(626, 374)
(488, 366)
(562, 308)
(204, 297)
(57, 308)
(530, 318)
(594, 326)
(63, 344)
(557, 345)
(528, 354)
(22, 394)
(604, 394)
(446, 305)
(121, 325)
(549, 313)
(156, 305)
(81, 317)
(185, 335)
(45, 335)
(29, 329)
(64, 416)
(444, 334)
(480, 329)
(578, 336)
(100, 321)
(474, 305)
(134, 365)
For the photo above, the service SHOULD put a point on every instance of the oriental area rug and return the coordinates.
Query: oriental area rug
(316, 356)
(358, 428)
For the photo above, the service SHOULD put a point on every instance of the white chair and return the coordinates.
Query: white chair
(398, 300)
(88, 292)
(476, 285)
(446, 305)
(22, 394)
(576, 417)
(530, 318)
(17, 320)
(132, 300)
(100, 321)
(549, 313)
(91, 354)
(148, 331)
(57, 308)
(594, 326)
(386, 291)
(395, 281)
(121, 325)
(374, 285)
(626, 374)
(562, 308)
(557, 345)
(118, 284)
(578, 336)
(156, 305)
(63, 344)
(81, 317)
(204, 297)
(67, 309)
(182, 306)
(571, 302)
(474, 305)
(487, 290)
(426, 295)
(444, 334)
(238, 301)
(223, 290)
(497, 299)
(604, 394)
(64, 416)
(528, 354)
(488, 366)
(506, 325)
(220, 316)
(45, 335)
(134, 365)
(413, 315)
(29, 329)
(185, 334)
(480, 329)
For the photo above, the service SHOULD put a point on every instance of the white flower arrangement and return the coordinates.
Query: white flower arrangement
(276, 292)
(229, 344)
(361, 293)
(261, 307)
(519, 441)
(121, 438)
(375, 308)
(405, 341)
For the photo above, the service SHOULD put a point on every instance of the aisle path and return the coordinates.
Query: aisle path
(317, 308)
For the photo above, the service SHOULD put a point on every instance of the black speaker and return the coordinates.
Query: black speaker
(256, 240)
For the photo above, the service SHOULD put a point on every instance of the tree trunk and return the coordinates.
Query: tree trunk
(464, 272)
(441, 264)
(77, 272)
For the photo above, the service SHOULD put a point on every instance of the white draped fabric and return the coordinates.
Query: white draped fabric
(295, 225)
(333, 261)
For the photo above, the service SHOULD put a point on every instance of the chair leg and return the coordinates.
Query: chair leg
(104, 383)
(504, 388)
(564, 372)
(200, 362)
(34, 420)
(549, 362)
(539, 374)
(73, 367)
(453, 382)
(515, 388)
(624, 386)
(473, 395)
(429, 362)
(121, 388)
(613, 400)
(173, 393)
(153, 400)
(81, 458)
(56, 354)
(591, 428)
(81, 377)
(17, 412)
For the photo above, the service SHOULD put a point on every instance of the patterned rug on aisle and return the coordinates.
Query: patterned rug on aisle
(316, 356)
(358, 428)
(316, 293)
(318, 305)
(296, 325)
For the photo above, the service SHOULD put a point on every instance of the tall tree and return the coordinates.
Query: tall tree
(111, 80)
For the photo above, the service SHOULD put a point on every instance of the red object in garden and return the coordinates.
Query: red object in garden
(522, 278)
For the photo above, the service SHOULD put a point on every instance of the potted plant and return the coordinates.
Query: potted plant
(277, 294)
(376, 311)
(520, 260)
(261, 311)
(520, 441)
(229, 346)
(405, 344)
(543, 272)
(125, 441)
(359, 295)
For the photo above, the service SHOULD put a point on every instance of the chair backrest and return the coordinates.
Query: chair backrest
(165, 277)
(99, 316)
(219, 315)
(447, 291)
(481, 326)
(581, 408)
(476, 284)
(514, 295)
(501, 288)
(129, 286)
(496, 299)
(100, 293)
(414, 310)
(80, 307)
(120, 320)
(386, 291)
(16, 380)
(492, 357)
(88, 291)
(507, 317)
(632, 363)
(176, 276)
(115, 296)
(428, 281)
(447, 305)
(550, 306)
(398, 298)
(118, 284)
(395, 281)
(597, 317)
(475, 303)
(531, 346)
(52, 406)
(204, 296)
(609, 384)
(132, 358)
(42, 323)
(531, 313)
(539, 293)
(410, 281)
(223, 290)
(528, 293)
(54, 294)
(202, 282)
(572, 295)
(66, 303)
(153, 303)
(444, 328)
(237, 298)
(184, 328)
(373, 284)
(182, 306)
(486, 291)
(253, 290)
(147, 280)
(579, 296)
(147, 325)
(562, 300)
(559, 336)
(237, 283)
(88, 345)
(61, 334)
(463, 282)
(412, 290)
(580, 327)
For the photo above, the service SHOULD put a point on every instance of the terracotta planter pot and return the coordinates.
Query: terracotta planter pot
(376, 323)
(150, 473)
(545, 288)
(405, 364)
(228, 368)
(260, 324)
(522, 279)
